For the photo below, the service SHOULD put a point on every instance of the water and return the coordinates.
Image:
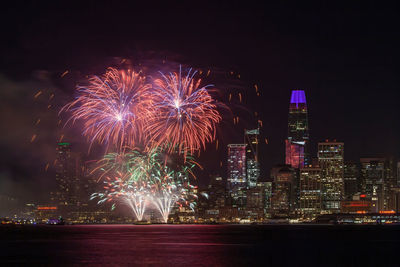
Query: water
(200, 245)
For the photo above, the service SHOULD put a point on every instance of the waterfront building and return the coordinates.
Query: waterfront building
(68, 173)
(331, 161)
(212, 200)
(44, 213)
(398, 173)
(284, 191)
(378, 179)
(351, 179)
(267, 198)
(216, 192)
(310, 192)
(255, 202)
(394, 199)
(358, 204)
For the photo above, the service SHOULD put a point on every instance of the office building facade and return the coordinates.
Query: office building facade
(331, 161)
(252, 162)
(310, 192)
(237, 182)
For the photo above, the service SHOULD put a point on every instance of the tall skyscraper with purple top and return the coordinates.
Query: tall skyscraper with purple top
(297, 152)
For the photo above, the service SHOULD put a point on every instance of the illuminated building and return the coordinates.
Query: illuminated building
(252, 163)
(310, 192)
(294, 154)
(212, 200)
(394, 199)
(268, 196)
(255, 202)
(378, 178)
(331, 161)
(298, 136)
(216, 192)
(351, 179)
(284, 191)
(384, 217)
(236, 182)
(29, 211)
(358, 204)
(45, 213)
(398, 173)
(68, 169)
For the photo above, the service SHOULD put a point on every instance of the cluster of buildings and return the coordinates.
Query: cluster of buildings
(70, 200)
(306, 187)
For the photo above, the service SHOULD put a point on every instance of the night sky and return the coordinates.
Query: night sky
(344, 56)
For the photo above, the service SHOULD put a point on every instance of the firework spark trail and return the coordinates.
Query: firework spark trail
(132, 194)
(169, 183)
(182, 113)
(137, 202)
(127, 177)
(111, 107)
(164, 202)
(153, 177)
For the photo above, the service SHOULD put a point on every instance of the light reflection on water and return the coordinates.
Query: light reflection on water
(197, 245)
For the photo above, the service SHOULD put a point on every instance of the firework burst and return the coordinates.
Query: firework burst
(111, 107)
(182, 113)
(171, 120)
(136, 165)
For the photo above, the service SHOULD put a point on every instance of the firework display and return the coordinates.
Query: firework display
(142, 178)
(124, 190)
(111, 107)
(167, 120)
(182, 114)
(170, 184)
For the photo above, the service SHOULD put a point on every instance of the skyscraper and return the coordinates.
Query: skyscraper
(68, 173)
(298, 136)
(398, 173)
(310, 192)
(284, 191)
(216, 192)
(351, 179)
(237, 182)
(331, 161)
(255, 202)
(252, 163)
(378, 178)
(268, 196)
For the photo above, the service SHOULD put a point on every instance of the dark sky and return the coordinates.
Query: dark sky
(345, 56)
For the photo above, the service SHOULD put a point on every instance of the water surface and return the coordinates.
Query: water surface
(200, 245)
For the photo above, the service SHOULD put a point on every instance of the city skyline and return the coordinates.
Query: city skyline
(297, 96)
(346, 66)
(199, 133)
(323, 184)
